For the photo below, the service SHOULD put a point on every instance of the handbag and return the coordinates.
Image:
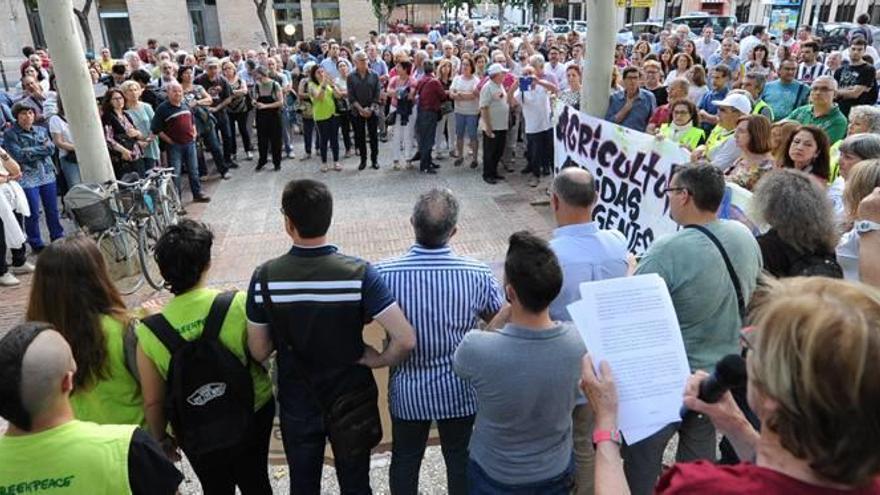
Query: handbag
(352, 419)
(391, 118)
(445, 108)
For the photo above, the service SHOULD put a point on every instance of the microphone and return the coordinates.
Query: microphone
(730, 372)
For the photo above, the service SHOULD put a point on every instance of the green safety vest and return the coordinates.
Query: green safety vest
(691, 138)
(74, 458)
(116, 400)
(834, 151)
(716, 137)
(760, 106)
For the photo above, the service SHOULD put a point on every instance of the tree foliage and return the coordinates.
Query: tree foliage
(382, 9)
(82, 15)
(264, 21)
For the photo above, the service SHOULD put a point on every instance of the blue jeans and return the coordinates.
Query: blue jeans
(71, 172)
(479, 483)
(180, 154)
(48, 195)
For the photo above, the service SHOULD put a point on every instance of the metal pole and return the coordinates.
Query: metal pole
(75, 87)
(3, 74)
(599, 53)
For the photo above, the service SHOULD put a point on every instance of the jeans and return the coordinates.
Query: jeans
(224, 126)
(212, 142)
(410, 438)
(444, 140)
(18, 254)
(328, 135)
(304, 438)
(180, 154)
(362, 127)
(344, 120)
(48, 195)
(243, 465)
(309, 135)
(642, 461)
(539, 152)
(71, 172)
(493, 148)
(239, 120)
(479, 483)
(426, 127)
(286, 135)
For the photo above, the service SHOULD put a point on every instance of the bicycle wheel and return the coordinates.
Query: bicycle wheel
(169, 204)
(148, 236)
(119, 246)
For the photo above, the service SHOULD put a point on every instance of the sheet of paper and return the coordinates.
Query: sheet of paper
(630, 322)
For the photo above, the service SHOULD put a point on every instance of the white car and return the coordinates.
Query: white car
(580, 26)
(484, 25)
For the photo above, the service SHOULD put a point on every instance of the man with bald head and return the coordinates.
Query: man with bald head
(586, 253)
(46, 449)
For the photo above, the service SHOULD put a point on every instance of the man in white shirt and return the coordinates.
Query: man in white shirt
(533, 94)
(747, 44)
(557, 68)
(707, 45)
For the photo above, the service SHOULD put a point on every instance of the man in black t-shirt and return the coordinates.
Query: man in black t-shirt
(221, 95)
(857, 80)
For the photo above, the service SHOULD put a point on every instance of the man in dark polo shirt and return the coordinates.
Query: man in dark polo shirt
(430, 94)
(363, 94)
(317, 301)
(173, 123)
(221, 96)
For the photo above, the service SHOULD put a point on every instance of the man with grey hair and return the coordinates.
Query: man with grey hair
(753, 83)
(46, 448)
(822, 111)
(586, 253)
(864, 118)
(363, 95)
(444, 296)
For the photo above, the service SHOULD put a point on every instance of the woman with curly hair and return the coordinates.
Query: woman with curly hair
(801, 221)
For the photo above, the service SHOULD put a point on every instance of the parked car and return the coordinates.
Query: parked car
(698, 20)
(580, 26)
(745, 29)
(837, 36)
(484, 25)
(556, 21)
(628, 34)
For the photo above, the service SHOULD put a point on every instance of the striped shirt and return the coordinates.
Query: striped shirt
(443, 296)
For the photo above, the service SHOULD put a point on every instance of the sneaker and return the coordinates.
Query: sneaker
(232, 164)
(458, 162)
(395, 166)
(324, 168)
(534, 181)
(288, 154)
(374, 166)
(337, 167)
(489, 180)
(363, 165)
(27, 267)
(474, 164)
(249, 156)
(202, 198)
(225, 176)
(9, 280)
(305, 157)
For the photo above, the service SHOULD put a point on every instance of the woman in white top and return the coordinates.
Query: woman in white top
(445, 133)
(400, 90)
(13, 207)
(464, 93)
(852, 150)
(863, 178)
(60, 132)
(681, 64)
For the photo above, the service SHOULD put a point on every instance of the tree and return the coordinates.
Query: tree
(264, 21)
(82, 15)
(382, 9)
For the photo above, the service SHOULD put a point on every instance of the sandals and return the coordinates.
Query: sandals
(337, 167)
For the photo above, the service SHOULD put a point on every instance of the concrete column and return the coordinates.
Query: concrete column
(308, 19)
(75, 86)
(861, 8)
(601, 39)
(832, 14)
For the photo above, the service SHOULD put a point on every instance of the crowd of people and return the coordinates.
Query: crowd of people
(497, 365)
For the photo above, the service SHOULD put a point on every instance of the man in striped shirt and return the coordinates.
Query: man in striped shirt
(444, 296)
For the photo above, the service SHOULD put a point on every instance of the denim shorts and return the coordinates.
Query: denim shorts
(466, 125)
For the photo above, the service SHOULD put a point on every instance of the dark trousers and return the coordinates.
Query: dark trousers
(224, 125)
(18, 254)
(304, 438)
(408, 449)
(344, 120)
(426, 128)
(239, 120)
(269, 134)
(328, 135)
(212, 142)
(47, 194)
(539, 152)
(362, 126)
(493, 148)
(480, 483)
(310, 135)
(243, 465)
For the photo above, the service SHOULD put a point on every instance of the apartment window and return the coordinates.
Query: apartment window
(742, 11)
(637, 14)
(116, 26)
(288, 22)
(846, 13)
(326, 15)
(673, 9)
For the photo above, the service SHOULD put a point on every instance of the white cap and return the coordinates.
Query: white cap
(496, 69)
(736, 101)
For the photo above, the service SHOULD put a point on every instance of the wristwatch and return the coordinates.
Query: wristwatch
(865, 226)
(600, 436)
(4, 157)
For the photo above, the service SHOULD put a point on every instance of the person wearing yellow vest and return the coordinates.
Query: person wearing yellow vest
(72, 290)
(322, 91)
(47, 450)
(754, 82)
(720, 148)
(685, 126)
(183, 254)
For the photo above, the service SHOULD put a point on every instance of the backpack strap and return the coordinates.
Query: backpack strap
(217, 314)
(163, 331)
(740, 300)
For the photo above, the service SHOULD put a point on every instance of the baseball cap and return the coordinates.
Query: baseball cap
(13, 347)
(496, 69)
(735, 101)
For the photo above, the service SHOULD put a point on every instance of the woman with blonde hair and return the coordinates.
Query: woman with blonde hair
(809, 361)
(444, 140)
(863, 178)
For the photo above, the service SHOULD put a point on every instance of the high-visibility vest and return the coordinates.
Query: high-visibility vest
(760, 105)
(716, 137)
(835, 161)
(691, 138)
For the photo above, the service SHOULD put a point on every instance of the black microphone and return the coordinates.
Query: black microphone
(729, 373)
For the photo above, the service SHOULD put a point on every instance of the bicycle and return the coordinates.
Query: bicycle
(168, 200)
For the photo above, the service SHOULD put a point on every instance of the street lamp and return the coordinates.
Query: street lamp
(289, 29)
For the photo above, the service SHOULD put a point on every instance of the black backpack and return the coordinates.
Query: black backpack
(210, 395)
(816, 265)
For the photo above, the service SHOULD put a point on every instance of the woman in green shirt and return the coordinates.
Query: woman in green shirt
(322, 92)
(72, 290)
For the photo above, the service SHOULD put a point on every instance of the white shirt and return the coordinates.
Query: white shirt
(466, 107)
(535, 108)
(57, 125)
(559, 73)
(494, 96)
(848, 255)
(706, 49)
(808, 73)
(747, 45)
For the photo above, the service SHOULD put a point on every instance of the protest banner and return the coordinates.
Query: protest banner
(632, 171)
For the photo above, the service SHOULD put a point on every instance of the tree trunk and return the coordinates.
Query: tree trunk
(264, 22)
(83, 17)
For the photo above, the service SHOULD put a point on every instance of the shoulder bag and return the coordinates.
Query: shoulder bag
(740, 300)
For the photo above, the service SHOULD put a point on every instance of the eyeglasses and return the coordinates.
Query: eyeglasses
(675, 189)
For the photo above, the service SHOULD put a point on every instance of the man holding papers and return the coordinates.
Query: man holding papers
(708, 298)
(526, 378)
(585, 254)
